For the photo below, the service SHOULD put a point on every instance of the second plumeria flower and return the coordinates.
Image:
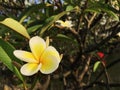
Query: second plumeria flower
(67, 24)
(42, 57)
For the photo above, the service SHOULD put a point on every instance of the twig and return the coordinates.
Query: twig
(46, 84)
(107, 67)
(95, 21)
(91, 20)
(107, 77)
(84, 70)
(115, 29)
(81, 16)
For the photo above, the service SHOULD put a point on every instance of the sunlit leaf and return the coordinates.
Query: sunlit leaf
(70, 7)
(16, 26)
(96, 66)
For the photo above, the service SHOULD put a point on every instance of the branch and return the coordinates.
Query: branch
(95, 21)
(84, 70)
(81, 16)
(102, 84)
(107, 77)
(115, 29)
(109, 84)
(91, 20)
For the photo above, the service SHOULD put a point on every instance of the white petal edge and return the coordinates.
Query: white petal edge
(25, 56)
(49, 65)
(37, 46)
(30, 69)
(51, 51)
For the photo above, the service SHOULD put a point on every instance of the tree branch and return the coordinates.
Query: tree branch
(115, 29)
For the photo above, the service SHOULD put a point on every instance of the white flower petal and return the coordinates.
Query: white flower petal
(37, 46)
(24, 56)
(68, 24)
(49, 65)
(50, 51)
(50, 60)
(30, 69)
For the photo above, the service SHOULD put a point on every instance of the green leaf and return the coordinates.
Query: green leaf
(111, 13)
(50, 21)
(92, 10)
(100, 7)
(16, 26)
(9, 50)
(69, 8)
(96, 66)
(8, 62)
(62, 36)
(33, 28)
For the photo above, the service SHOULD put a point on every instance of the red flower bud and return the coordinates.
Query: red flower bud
(100, 54)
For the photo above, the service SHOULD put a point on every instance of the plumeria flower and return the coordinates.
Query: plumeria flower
(43, 58)
(67, 24)
(118, 34)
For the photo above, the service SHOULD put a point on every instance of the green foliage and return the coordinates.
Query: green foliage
(8, 48)
(8, 62)
(69, 8)
(96, 65)
(64, 37)
(100, 7)
(95, 25)
(33, 28)
(50, 21)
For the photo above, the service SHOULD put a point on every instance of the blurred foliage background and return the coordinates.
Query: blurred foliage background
(95, 28)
